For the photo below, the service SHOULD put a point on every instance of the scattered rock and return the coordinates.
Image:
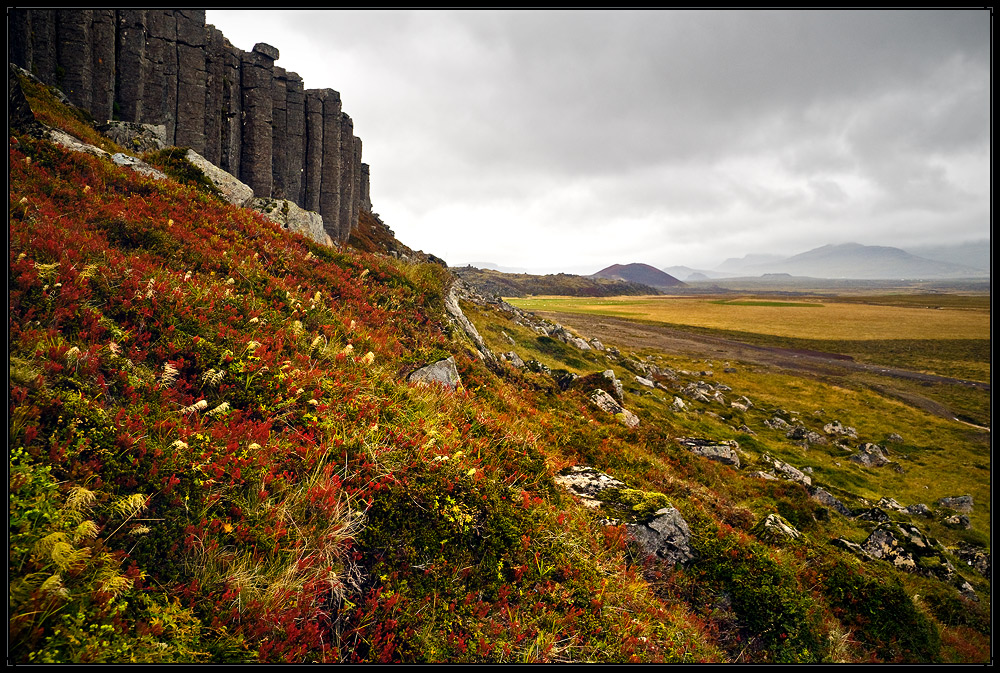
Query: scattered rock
(607, 403)
(870, 455)
(889, 503)
(578, 343)
(959, 503)
(723, 451)
(894, 438)
(513, 358)
(777, 423)
(976, 558)
(828, 499)
(617, 392)
(786, 471)
(644, 382)
(919, 509)
(958, 521)
(873, 514)
(805, 434)
(667, 536)
(678, 404)
(442, 372)
(596, 345)
(836, 428)
(773, 528)
(508, 339)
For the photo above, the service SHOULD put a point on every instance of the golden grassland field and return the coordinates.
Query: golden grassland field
(939, 317)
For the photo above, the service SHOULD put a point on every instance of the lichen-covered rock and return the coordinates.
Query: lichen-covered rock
(976, 558)
(644, 382)
(836, 428)
(773, 528)
(136, 137)
(667, 536)
(137, 165)
(959, 503)
(232, 190)
(873, 514)
(889, 503)
(786, 471)
(826, 498)
(805, 434)
(513, 358)
(894, 438)
(293, 218)
(958, 521)
(919, 509)
(906, 548)
(587, 483)
(442, 372)
(870, 455)
(577, 342)
(607, 403)
(722, 451)
(777, 423)
(678, 404)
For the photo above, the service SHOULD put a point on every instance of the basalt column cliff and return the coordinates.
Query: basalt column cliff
(236, 108)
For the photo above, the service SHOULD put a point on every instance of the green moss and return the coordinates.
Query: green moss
(639, 506)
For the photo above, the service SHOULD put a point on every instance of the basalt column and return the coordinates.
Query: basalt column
(346, 176)
(159, 105)
(102, 36)
(19, 37)
(257, 73)
(73, 55)
(329, 197)
(365, 201)
(295, 136)
(131, 63)
(312, 174)
(43, 45)
(356, 190)
(232, 103)
(191, 79)
(279, 127)
(215, 113)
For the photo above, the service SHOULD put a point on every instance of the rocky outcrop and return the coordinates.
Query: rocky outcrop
(662, 533)
(236, 109)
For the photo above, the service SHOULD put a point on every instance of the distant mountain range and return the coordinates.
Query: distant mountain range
(853, 260)
(639, 273)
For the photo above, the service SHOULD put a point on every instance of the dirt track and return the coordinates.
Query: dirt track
(628, 334)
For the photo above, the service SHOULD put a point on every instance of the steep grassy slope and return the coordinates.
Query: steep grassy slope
(216, 457)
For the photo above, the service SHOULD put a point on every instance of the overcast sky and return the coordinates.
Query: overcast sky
(572, 140)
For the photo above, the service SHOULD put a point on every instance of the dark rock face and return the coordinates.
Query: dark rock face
(167, 67)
